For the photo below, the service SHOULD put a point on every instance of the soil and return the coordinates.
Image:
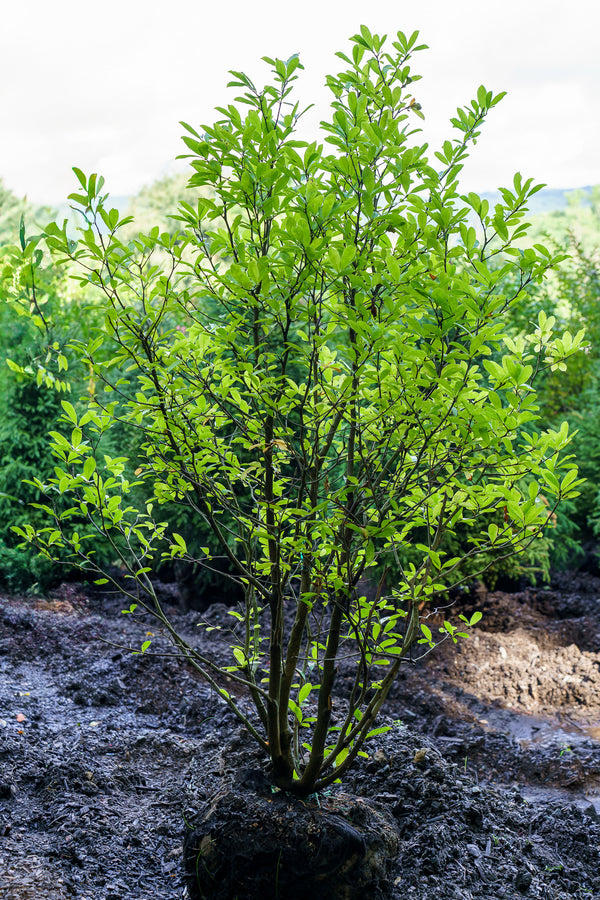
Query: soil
(491, 768)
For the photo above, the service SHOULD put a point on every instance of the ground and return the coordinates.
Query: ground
(491, 768)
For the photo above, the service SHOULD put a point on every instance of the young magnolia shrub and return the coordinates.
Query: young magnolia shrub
(317, 367)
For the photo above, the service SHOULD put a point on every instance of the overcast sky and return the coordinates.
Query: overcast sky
(103, 85)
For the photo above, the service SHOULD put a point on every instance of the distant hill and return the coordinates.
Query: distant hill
(545, 201)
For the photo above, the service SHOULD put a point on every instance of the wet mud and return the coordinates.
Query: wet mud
(491, 767)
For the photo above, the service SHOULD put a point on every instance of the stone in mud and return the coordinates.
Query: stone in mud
(263, 845)
(523, 881)
(7, 790)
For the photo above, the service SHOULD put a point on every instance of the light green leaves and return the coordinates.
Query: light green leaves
(69, 411)
(179, 546)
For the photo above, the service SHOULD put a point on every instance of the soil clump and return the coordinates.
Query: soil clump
(490, 769)
(255, 842)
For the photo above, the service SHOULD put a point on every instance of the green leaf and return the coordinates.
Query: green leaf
(341, 757)
(80, 177)
(482, 96)
(180, 542)
(69, 411)
(295, 709)
(304, 692)
(382, 729)
(239, 656)
(89, 467)
(394, 267)
(348, 255)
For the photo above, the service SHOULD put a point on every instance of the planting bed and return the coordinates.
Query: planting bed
(491, 769)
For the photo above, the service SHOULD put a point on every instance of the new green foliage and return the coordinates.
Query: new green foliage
(319, 370)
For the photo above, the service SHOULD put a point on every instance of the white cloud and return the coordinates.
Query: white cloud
(103, 86)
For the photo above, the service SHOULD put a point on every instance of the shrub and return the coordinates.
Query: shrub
(310, 368)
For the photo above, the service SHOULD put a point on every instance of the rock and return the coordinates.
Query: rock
(264, 845)
(523, 880)
(591, 812)
(7, 790)
(473, 817)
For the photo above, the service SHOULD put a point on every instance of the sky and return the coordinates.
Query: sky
(103, 86)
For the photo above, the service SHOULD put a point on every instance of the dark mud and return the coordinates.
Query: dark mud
(491, 768)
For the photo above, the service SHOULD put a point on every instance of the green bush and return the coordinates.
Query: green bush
(318, 366)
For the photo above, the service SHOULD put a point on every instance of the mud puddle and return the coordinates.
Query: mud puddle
(528, 729)
(583, 802)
